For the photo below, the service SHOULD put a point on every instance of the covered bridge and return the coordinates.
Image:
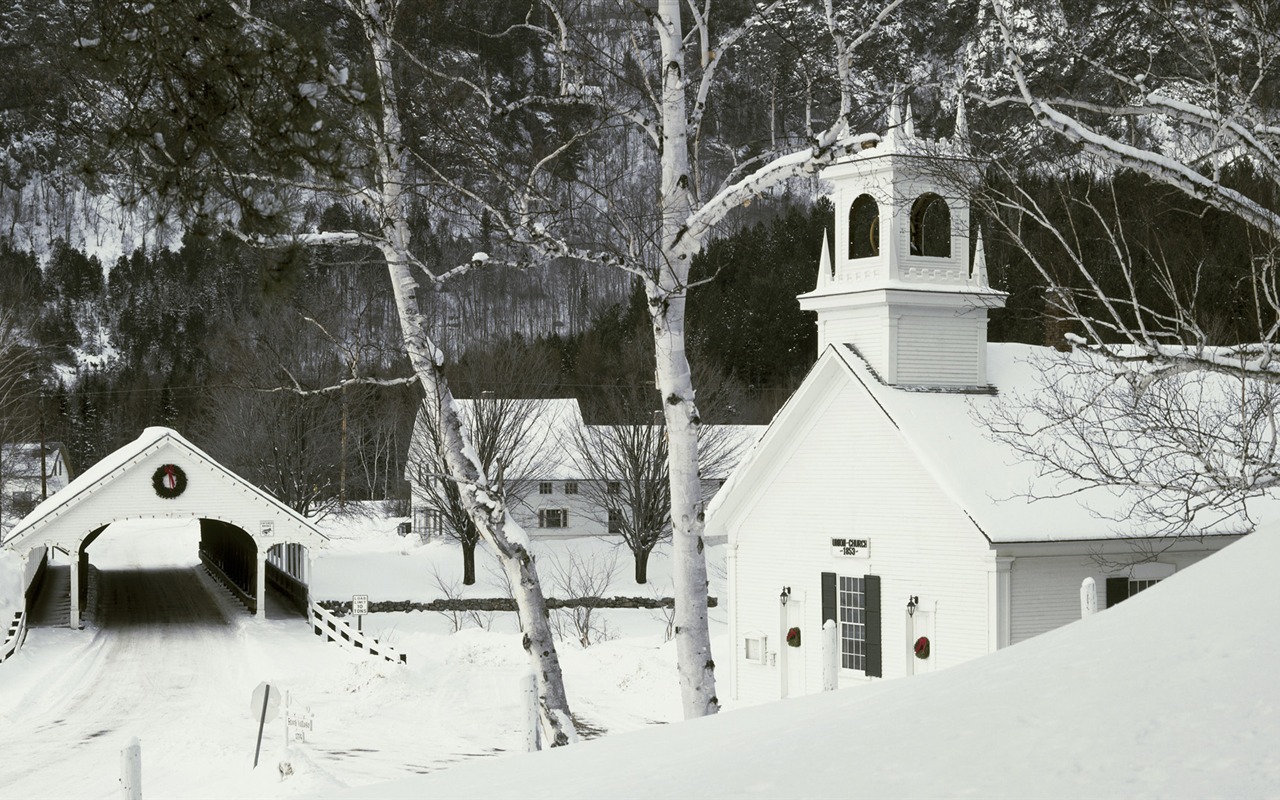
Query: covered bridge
(246, 535)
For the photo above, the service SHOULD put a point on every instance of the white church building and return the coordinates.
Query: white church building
(876, 498)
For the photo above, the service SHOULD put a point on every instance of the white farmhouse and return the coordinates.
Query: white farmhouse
(555, 496)
(28, 478)
(875, 498)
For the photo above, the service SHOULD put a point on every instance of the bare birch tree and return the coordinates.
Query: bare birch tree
(19, 415)
(231, 115)
(647, 92)
(510, 444)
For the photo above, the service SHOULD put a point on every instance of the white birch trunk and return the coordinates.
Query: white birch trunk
(484, 503)
(667, 307)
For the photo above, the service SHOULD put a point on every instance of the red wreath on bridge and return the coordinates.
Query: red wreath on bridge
(169, 481)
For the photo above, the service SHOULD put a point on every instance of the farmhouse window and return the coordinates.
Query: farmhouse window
(544, 487)
(428, 522)
(553, 518)
(854, 603)
(571, 487)
(615, 521)
(614, 487)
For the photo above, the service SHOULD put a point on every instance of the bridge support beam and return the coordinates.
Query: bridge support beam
(74, 619)
(261, 592)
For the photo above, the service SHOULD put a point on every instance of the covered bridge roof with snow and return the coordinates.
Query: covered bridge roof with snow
(159, 475)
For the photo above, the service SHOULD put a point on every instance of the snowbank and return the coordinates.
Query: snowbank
(1170, 694)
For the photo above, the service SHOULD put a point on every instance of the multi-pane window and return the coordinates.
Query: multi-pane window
(544, 487)
(1136, 586)
(553, 518)
(853, 623)
(428, 522)
(1121, 588)
(615, 521)
(571, 487)
(614, 487)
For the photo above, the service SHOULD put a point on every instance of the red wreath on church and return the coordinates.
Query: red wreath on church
(793, 637)
(922, 647)
(169, 481)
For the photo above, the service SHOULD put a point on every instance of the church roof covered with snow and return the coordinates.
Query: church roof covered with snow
(1008, 498)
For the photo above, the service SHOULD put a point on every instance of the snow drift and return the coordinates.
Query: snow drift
(1170, 694)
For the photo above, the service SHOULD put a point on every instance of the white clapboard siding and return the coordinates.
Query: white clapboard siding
(1046, 592)
(864, 328)
(1046, 589)
(848, 472)
(939, 351)
(127, 493)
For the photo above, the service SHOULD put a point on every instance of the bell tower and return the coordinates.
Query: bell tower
(901, 286)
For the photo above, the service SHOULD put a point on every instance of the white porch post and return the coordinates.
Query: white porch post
(1004, 601)
(262, 581)
(74, 621)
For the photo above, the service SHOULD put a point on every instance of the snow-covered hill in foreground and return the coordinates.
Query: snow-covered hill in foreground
(1170, 694)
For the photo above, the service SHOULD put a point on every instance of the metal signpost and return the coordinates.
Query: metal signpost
(264, 704)
(360, 607)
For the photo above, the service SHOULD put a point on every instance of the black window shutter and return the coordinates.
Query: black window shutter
(871, 587)
(829, 610)
(1117, 590)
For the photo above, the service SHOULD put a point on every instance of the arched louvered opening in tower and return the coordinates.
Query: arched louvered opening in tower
(864, 228)
(930, 227)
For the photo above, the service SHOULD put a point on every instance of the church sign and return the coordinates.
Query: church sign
(850, 548)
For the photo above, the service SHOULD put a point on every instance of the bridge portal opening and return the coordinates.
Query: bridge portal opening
(164, 571)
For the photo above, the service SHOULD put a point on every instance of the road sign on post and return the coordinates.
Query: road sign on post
(360, 607)
(264, 705)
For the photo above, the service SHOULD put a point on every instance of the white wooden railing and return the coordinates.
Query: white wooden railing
(334, 629)
(16, 636)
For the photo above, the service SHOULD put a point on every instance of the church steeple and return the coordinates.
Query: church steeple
(901, 287)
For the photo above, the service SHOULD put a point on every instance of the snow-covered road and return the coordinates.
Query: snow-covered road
(166, 659)
(171, 659)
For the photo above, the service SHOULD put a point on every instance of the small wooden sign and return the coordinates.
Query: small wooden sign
(851, 548)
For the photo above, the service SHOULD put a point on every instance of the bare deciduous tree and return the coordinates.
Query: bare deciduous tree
(626, 466)
(20, 439)
(575, 576)
(648, 98)
(1170, 395)
(508, 430)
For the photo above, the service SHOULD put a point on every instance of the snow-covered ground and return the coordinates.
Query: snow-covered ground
(1169, 694)
(173, 661)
